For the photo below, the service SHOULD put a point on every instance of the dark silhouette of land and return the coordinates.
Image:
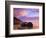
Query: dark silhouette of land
(22, 25)
(29, 25)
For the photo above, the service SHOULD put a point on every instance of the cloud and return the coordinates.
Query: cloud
(23, 13)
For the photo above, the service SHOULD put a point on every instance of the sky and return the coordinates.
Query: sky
(26, 13)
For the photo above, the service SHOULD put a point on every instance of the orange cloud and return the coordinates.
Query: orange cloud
(23, 13)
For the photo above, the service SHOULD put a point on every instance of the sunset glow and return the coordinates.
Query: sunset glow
(28, 15)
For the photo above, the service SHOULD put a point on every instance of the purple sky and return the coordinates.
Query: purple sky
(30, 12)
(26, 13)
